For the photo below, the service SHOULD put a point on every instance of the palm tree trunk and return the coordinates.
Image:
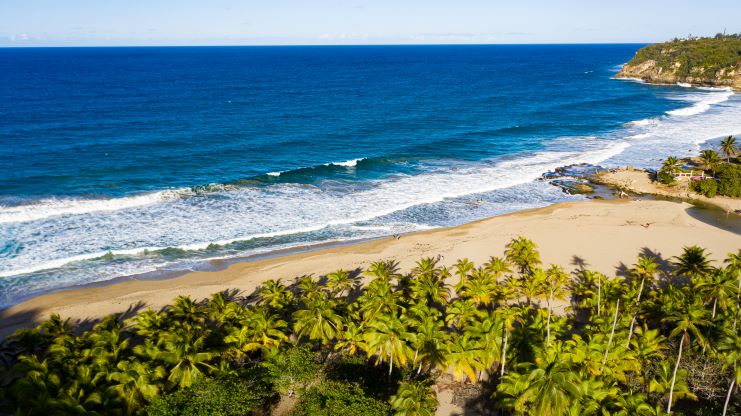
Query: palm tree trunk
(599, 295)
(504, 349)
(633, 320)
(391, 365)
(612, 334)
(674, 375)
(548, 322)
(730, 390)
(738, 297)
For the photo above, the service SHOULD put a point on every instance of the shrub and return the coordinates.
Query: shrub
(665, 177)
(217, 397)
(707, 187)
(338, 398)
(729, 176)
(292, 369)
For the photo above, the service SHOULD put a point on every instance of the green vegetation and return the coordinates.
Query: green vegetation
(661, 338)
(693, 56)
(725, 174)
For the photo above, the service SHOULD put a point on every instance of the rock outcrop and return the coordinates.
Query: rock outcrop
(710, 62)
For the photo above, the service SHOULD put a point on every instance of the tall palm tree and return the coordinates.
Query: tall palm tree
(509, 315)
(259, 330)
(646, 268)
(481, 287)
(319, 321)
(687, 316)
(497, 266)
(523, 253)
(693, 262)
(387, 338)
(729, 147)
(136, 383)
(274, 294)
(462, 268)
(463, 357)
(730, 345)
(339, 282)
(710, 159)
(546, 387)
(414, 398)
(186, 357)
(733, 262)
(720, 288)
(556, 282)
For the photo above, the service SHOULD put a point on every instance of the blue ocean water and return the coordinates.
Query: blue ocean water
(122, 161)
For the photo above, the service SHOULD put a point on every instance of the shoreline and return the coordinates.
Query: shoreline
(640, 182)
(602, 233)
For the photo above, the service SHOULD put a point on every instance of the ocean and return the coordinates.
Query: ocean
(147, 162)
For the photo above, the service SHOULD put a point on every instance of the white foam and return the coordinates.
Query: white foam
(684, 85)
(58, 206)
(244, 214)
(274, 173)
(644, 122)
(639, 136)
(347, 163)
(702, 104)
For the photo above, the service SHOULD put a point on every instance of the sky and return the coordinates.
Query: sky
(331, 22)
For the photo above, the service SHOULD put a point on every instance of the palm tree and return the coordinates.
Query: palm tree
(319, 321)
(509, 315)
(720, 288)
(523, 253)
(351, 338)
(670, 164)
(387, 339)
(710, 159)
(462, 357)
(497, 266)
(729, 148)
(557, 280)
(546, 387)
(185, 357)
(481, 288)
(670, 385)
(135, 383)
(733, 261)
(259, 330)
(646, 268)
(688, 316)
(414, 398)
(274, 294)
(339, 282)
(730, 345)
(462, 268)
(693, 262)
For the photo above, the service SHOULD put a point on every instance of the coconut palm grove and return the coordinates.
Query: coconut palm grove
(661, 337)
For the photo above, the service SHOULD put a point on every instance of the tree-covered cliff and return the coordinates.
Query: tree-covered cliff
(712, 61)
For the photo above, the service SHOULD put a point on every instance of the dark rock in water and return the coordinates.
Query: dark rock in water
(573, 187)
(582, 170)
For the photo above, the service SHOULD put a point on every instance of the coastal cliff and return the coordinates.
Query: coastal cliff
(710, 62)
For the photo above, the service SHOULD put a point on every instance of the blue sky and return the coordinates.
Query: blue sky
(293, 22)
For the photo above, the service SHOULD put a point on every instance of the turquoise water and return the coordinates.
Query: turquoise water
(123, 161)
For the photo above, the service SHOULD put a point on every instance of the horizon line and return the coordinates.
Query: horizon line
(317, 45)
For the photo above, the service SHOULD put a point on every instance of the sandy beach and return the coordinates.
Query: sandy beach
(640, 182)
(603, 235)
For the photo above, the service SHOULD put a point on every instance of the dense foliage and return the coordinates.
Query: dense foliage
(662, 337)
(724, 172)
(708, 54)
